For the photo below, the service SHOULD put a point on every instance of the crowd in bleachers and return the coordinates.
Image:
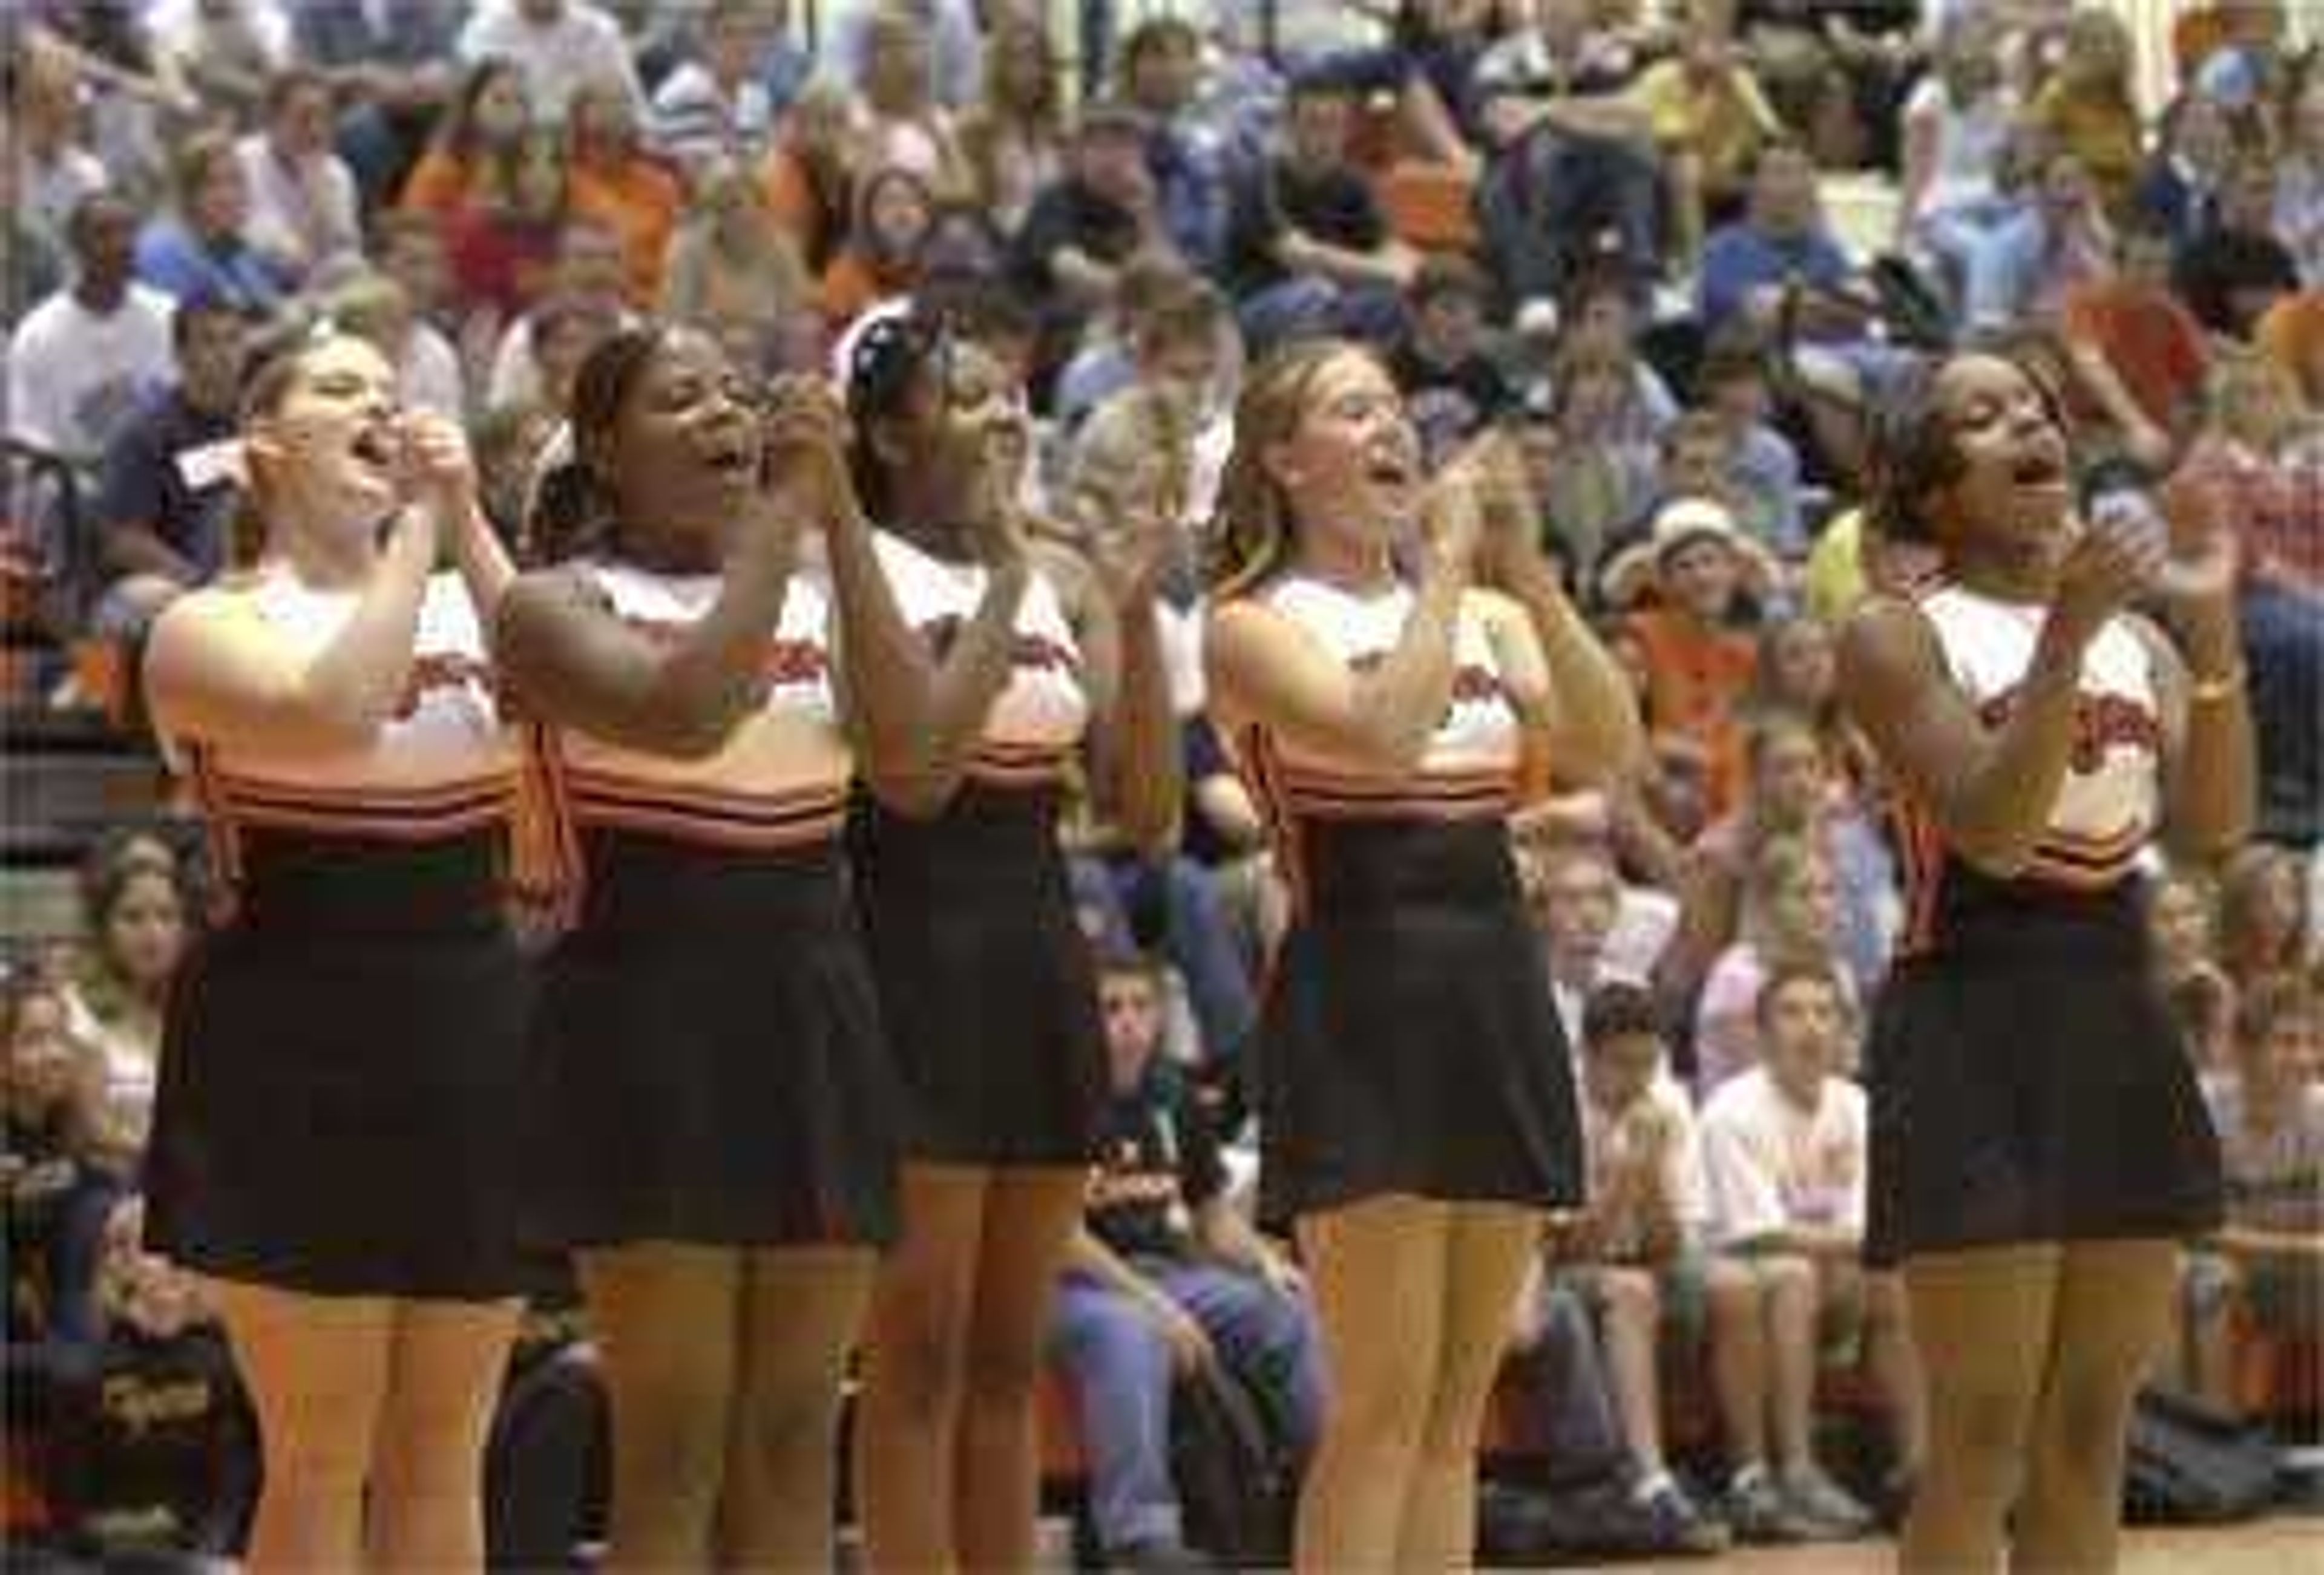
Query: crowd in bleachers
(1596, 226)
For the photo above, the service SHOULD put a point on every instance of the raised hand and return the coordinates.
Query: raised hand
(997, 521)
(806, 434)
(2115, 557)
(1452, 512)
(437, 467)
(1134, 530)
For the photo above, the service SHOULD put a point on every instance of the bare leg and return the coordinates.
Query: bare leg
(427, 1486)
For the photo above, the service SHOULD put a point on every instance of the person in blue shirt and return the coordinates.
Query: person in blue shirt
(199, 249)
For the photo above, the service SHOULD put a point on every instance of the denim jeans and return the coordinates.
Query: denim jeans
(1121, 1370)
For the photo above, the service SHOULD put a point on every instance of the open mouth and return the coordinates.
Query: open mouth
(1389, 470)
(377, 447)
(2043, 468)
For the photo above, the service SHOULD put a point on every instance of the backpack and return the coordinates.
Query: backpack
(1238, 1487)
(2191, 1464)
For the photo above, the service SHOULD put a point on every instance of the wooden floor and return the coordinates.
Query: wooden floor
(2273, 1547)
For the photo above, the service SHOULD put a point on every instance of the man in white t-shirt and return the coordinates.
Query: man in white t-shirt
(1635, 1253)
(82, 362)
(1784, 1150)
(560, 45)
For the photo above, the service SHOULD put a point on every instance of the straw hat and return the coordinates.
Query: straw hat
(1681, 522)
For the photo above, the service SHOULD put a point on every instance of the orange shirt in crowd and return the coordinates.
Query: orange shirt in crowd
(640, 201)
(1697, 678)
(796, 206)
(852, 285)
(2150, 338)
(2292, 335)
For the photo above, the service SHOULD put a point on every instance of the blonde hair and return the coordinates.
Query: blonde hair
(1250, 534)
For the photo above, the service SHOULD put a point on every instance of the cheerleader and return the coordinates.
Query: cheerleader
(1418, 1112)
(2038, 1141)
(713, 1109)
(339, 1056)
(986, 982)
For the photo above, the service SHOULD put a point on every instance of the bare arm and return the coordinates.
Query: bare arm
(217, 671)
(1990, 788)
(1120, 634)
(569, 659)
(2210, 768)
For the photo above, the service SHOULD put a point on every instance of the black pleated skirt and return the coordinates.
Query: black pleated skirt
(707, 1062)
(1409, 1044)
(986, 981)
(338, 1100)
(2028, 1083)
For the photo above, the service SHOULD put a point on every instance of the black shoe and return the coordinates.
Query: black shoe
(1677, 1525)
(1159, 1556)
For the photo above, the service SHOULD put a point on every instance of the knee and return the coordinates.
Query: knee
(1000, 1373)
(2082, 1422)
(1788, 1282)
(669, 1425)
(1983, 1434)
(1390, 1409)
(1733, 1294)
(1632, 1298)
(916, 1367)
(431, 1440)
(788, 1427)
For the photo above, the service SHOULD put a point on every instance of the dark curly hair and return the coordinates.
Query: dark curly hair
(572, 512)
(1910, 449)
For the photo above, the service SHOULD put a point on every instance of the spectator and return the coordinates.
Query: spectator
(719, 107)
(2059, 237)
(2291, 335)
(1309, 247)
(590, 271)
(732, 271)
(1084, 228)
(2181, 183)
(904, 127)
(1710, 120)
(1452, 388)
(895, 212)
(1763, 468)
(2270, 1116)
(172, 474)
(158, 1457)
(2088, 109)
(809, 174)
(134, 908)
(484, 183)
(1588, 484)
(559, 46)
(2245, 72)
(2182, 925)
(611, 178)
(2140, 359)
(2236, 268)
(409, 248)
(1699, 663)
(53, 166)
(1782, 269)
(1794, 795)
(1637, 1251)
(220, 53)
(1797, 676)
(1166, 1276)
(952, 61)
(511, 444)
(1785, 1150)
(1154, 284)
(1013, 141)
(391, 70)
(1790, 916)
(82, 361)
(203, 245)
(302, 194)
(2264, 918)
(1161, 77)
(1957, 133)
(2299, 181)
(1179, 346)
(58, 1191)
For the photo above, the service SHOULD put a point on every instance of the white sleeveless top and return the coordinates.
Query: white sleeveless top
(443, 765)
(1470, 767)
(1040, 716)
(2110, 801)
(781, 777)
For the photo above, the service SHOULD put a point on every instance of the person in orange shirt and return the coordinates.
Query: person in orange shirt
(894, 213)
(2140, 357)
(1699, 664)
(611, 178)
(809, 174)
(2292, 335)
